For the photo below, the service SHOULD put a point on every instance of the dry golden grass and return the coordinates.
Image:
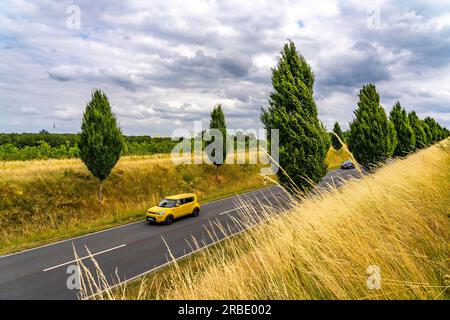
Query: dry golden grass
(47, 200)
(336, 157)
(397, 219)
(32, 169)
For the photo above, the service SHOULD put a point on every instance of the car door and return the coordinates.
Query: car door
(178, 211)
(189, 205)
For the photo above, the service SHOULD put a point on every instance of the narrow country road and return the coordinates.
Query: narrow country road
(132, 249)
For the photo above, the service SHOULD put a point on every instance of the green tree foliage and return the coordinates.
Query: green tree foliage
(334, 140)
(21, 140)
(445, 133)
(43, 151)
(8, 152)
(372, 136)
(155, 145)
(419, 132)
(28, 146)
(441, 133)
(218, 122)
(304, 142)
(101, 140)
(435, 128)
(428, 132)
(405, 133)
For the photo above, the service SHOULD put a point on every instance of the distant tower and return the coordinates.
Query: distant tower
(54, 125)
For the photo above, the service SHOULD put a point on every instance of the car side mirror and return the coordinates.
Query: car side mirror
(177, 205)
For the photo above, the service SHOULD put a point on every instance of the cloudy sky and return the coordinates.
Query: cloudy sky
(164, 64)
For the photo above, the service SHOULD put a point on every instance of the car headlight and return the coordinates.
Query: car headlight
(160, 213)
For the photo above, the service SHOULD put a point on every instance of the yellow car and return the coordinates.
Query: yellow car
(174, 207)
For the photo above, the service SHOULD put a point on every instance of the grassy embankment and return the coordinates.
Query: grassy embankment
(42, 201)
(397, 219)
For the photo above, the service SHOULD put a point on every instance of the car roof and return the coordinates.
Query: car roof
(181, 196)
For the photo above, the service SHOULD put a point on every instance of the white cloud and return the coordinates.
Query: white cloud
(443, 21)
(29, 110)
(168, 63)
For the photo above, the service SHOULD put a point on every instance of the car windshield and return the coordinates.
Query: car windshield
(167, 203)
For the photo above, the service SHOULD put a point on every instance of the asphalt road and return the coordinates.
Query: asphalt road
(336, 178)
(137, 248)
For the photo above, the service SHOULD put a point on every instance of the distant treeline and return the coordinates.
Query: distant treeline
(40, 146)
(29, 146)
(21, 140)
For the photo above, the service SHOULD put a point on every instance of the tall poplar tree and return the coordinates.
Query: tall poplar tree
(419, 132)
(303, 140)
(334, 140)
(101, 140)
(405, 133)
(218, 122)
(434, 127)
(372, 137)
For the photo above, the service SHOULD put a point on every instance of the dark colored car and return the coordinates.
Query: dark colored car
(347, 164)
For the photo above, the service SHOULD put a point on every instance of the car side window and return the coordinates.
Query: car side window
(190, 199)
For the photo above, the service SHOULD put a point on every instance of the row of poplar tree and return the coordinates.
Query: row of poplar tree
(304, 141)
(373, 137)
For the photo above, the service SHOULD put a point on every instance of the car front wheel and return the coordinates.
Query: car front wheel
(169, 219)
(196, 212)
